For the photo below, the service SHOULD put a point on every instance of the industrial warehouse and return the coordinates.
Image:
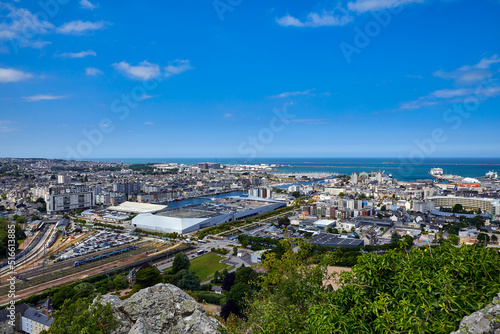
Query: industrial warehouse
(193, 218)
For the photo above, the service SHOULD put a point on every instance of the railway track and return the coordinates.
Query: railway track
(61, 269)
(69, 262)
(35, 251)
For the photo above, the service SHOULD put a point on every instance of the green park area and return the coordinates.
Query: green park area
(207, 265)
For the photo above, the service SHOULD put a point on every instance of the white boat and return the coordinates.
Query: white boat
(436, 172)
(492, 175)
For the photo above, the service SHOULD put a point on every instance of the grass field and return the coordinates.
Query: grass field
(206, 265)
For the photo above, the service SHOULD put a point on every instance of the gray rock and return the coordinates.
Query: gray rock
(485, 321)
(163, 308)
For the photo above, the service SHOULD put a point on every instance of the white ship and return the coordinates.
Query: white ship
(492, 175)
(436, 172)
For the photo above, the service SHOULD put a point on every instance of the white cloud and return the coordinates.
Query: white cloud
(144, 71)
(310, 120)
(469, 79)
(314, 20)
(149, 123)
(470, 74)
(43, 97)
(86, 4)
(451, 93)
(363, 6)
(290, 94)
(80, 27)
(6, 129)
(456, 95)
(177, 67)
(147, 71)
(11, 75)
(228, 115)
(92, 71)
(80, 54)
(21, 27)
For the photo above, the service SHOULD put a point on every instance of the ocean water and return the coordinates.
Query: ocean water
(401, 170)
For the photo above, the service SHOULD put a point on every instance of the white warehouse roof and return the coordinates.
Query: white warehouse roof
(134, 207)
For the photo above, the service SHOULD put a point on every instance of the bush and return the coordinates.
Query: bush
(209, 297)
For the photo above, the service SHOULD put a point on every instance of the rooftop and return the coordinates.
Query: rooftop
(134, 207)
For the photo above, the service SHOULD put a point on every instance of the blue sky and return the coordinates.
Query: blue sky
(237, 78)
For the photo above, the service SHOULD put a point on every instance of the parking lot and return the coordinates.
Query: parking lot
(97, 242)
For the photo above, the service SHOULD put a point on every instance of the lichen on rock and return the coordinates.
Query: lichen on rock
(163, 308)
(484, 321)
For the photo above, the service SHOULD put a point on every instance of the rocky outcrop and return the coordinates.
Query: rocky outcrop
(163, 308)
(485, 321)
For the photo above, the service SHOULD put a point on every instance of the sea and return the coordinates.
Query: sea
(401, 169)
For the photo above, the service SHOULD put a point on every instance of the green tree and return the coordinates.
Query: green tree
(494, 238)
(395, 237)
(21, 220)
(483, 237)
(457, 208)
(148, 277)
(181, 261)
(120, 282)
(63, 293)
(245, 275)
(399, 292)
(83, 290)
(239, 292)
(230, 307)
(407, 241)
(82, 317)
(189, 281)
(296, 194)
(228, 281)
(453, 239)
(341, 194)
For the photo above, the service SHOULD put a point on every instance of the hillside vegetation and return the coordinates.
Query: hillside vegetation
(415, 290)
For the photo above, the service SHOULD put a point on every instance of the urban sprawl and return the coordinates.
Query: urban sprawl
(79, 219)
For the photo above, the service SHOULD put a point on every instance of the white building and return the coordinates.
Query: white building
(256, 257)
(487, 205)
(324, 224)
(63, 179)
(193, 218)
(354, 178)
(61, 198)
(423, 206)
(468, 233)
(348, 225)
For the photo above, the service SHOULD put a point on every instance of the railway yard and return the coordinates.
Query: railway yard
(41, 265)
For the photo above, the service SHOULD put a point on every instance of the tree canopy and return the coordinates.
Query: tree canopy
(82, 317)
(181, 261)
(404, 291)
